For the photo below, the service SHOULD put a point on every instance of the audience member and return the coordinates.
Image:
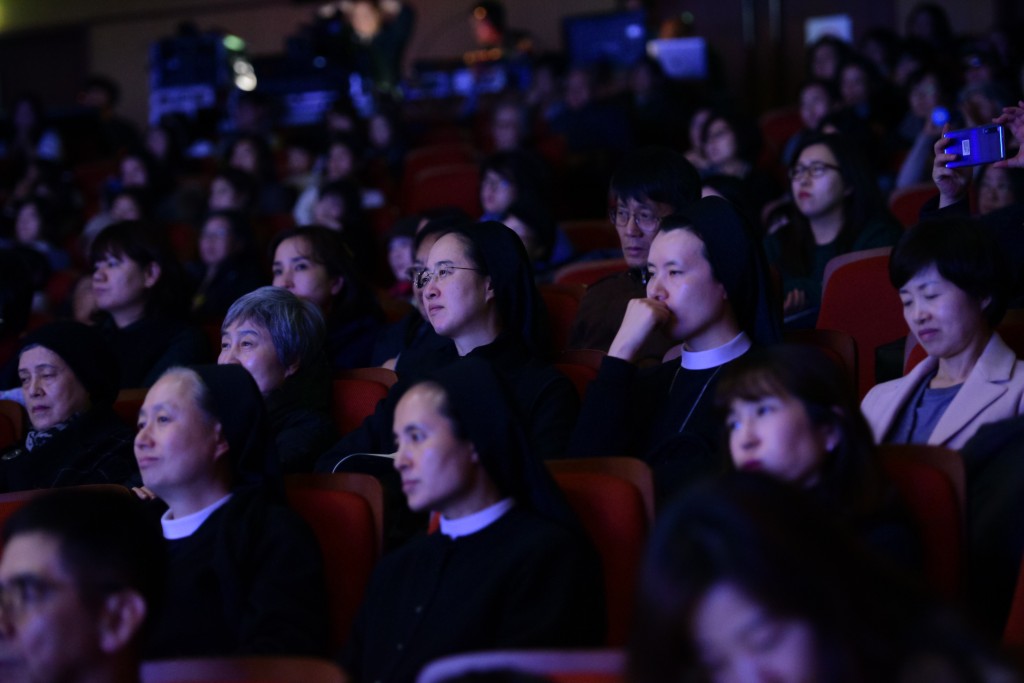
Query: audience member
(413, 330)
(998, 188)
(314, 264)
(142, 301)
(478, 292)
(69, 380)
(730, 144)
(838, 209)
(1004, 223)
(233, 190)
(80, 583)
(708, 290)
(649, 184)
(279, 339)
(818, 98)
(509, 567)
(951, 279)
(228, 266)
(245, 574)
(38, 226)
(746, 579)
(791, 413)
(251, 153)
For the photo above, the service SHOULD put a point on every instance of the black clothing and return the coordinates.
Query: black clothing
(300, 420)
(663, 415)
(521, 582)
(350, 340)
(249, 581)
(237, 276)
(409, 332)
(95, 448)
(995, 503)
(148, 347)
(544, 398)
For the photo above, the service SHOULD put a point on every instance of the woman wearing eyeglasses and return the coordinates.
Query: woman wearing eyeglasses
(478, 292)
(836, 209)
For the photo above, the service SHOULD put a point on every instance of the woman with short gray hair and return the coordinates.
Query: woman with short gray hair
(279, 339)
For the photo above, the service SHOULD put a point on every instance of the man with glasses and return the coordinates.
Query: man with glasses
(649, 184)
(78, 580)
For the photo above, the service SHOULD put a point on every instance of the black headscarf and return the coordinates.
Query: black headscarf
(499, 252)
(738, 262)
(483, 414)
(234, 400)
(88, 355)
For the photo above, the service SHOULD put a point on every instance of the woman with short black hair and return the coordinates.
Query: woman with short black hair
(142, 299)
(952, 281)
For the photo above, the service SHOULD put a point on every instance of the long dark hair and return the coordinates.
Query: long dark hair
(862, 204)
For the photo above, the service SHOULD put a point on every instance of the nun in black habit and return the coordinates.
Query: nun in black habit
(708, 288)
(245, 574)
(479, 293)
(509, 567)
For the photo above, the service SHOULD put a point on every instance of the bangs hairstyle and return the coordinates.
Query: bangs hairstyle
(963, 252)
(798, 371)
(145, 244)
(850, 475)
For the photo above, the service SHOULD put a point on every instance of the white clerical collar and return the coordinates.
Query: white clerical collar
(720, 355)
(183, 527)
(470, 524)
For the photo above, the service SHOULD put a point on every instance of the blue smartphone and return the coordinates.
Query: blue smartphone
(981, 145)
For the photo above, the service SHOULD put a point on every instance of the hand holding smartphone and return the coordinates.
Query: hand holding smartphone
(973, 146)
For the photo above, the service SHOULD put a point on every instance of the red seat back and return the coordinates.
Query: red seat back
(931, 497)
(858, 299)
(562, 302)
(343, 523)
(612, 512)
(449, 185)
(592, 234)
(905, 203)
(353, 401)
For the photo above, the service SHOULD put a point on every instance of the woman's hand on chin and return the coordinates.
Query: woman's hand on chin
(642, 317)
(143, 493)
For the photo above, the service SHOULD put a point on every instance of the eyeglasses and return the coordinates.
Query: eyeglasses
(425, 276)
(20, 592)
(815, 169)
(645, 218)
